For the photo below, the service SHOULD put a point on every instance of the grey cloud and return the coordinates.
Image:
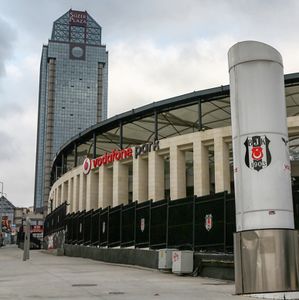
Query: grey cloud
(7, 146)
(7, 37)
(6, 109)
(166, 21)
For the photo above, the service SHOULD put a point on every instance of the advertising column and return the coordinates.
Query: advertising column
(266, 242)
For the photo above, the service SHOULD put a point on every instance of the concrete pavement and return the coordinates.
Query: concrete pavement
(47, 276)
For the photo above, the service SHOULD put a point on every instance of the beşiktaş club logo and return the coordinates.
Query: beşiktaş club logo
(257, 156)
(86, 166)
(208, 222)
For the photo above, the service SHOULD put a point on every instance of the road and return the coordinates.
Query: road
(46, 276)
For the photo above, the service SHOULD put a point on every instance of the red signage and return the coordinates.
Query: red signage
(108, 158)
(86, 166)
(78, 18)
(37, 229)
(6, 223)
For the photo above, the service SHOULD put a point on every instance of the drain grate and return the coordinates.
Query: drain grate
(84, 284)
(116, 293)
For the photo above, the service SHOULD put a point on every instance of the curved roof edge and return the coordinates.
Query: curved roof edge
(177, 101)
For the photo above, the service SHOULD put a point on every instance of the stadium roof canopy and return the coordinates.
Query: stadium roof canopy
(195, 111)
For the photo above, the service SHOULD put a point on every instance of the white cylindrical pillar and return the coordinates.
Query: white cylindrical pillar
(260, 139)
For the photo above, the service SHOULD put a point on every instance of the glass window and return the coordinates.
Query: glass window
(178, 121)
(139, 132)
(292, 100)
(84, 150)
(107, 142)
(216, 113)
(69, 160)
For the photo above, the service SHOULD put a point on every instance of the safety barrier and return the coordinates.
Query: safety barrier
(55, 221)
(197, 223)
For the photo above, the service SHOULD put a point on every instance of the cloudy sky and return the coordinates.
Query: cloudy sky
(157, 49)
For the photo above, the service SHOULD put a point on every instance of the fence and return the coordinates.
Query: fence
(198, 223)
(55, 221)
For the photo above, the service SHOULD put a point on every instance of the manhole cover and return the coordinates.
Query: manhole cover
(84, 284)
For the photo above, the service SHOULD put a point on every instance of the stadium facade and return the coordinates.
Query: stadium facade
(72, 90)
(170, 149)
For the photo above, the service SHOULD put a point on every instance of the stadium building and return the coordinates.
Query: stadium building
(162, 177)
(171, 149)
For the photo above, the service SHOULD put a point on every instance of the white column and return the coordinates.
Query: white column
(76, 193)
(177, 173)
(70, 195)
(155, 176)
(201, 169)
(120, 183)
(82, 192)
(222, 170)
(105, 187)
(140, 179)
(62, 193)
(55, 198)
(92, 190)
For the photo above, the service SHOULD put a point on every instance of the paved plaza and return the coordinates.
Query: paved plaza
(46, 276)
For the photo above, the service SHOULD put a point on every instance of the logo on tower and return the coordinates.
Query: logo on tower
(257, 156)
(86, 166)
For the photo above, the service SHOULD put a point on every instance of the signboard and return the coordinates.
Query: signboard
(36, 228)
(78, 18)
(117, 155)
(6, 223)
(37, 231)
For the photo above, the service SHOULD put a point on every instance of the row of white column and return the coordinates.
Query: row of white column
(108, 185)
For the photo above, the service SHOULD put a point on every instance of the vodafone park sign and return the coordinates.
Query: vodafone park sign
(117, 155)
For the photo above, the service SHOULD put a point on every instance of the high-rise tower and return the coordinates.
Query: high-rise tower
(72, 90)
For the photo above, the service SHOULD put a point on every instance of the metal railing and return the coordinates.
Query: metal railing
(55, 221)
(197, 223)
